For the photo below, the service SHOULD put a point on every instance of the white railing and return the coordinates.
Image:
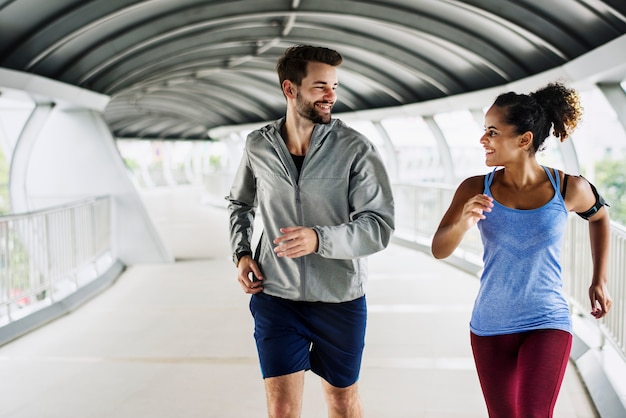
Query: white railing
(577, 270)
(419, 208)
(49, 254)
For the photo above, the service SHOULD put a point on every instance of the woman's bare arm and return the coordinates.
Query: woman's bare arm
(466, 209)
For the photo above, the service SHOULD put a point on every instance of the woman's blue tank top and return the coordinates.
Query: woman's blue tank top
(521, 284)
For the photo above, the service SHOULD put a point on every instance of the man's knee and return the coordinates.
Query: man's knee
(283, 410)
(343, 400)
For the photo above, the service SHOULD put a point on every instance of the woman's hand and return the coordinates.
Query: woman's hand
(600, 300)
(473, 210)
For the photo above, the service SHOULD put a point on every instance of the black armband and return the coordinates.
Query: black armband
(596, 206)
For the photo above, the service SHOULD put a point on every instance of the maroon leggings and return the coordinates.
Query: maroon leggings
(521, 374)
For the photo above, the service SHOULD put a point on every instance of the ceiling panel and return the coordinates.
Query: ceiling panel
(175, 69)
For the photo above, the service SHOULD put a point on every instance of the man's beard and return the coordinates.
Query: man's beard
(308, 111)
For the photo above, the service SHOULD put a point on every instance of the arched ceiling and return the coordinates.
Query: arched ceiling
(177, 68)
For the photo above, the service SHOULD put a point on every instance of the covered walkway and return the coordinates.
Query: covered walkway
(175, 340)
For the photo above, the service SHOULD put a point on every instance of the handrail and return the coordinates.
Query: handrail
(69, 205)
(48, 254)
(420, 206)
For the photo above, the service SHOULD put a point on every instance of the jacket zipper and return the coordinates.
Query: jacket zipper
(301, 219)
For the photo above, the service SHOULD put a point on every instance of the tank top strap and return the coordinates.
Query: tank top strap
(555, 180)
(487, 182)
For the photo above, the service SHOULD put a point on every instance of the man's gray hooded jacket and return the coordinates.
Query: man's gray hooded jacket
(342, 192)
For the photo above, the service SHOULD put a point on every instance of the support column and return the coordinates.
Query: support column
(616, 96)
(444, 150)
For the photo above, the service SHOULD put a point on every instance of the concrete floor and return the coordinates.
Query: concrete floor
(175, 340)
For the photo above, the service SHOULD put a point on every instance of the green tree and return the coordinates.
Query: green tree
(4, 185)
(611, 183)
(131, 163)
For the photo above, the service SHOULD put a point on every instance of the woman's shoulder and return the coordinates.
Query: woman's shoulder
(472, 185)
(579, 194)
(474, 181)
(573, 183)
(578, 186)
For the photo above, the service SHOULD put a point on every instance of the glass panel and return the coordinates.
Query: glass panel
(600, 143)
(5, 205)
(551, 155)
(15, 109)
(462, 133)
(137, 155)
(415, 148)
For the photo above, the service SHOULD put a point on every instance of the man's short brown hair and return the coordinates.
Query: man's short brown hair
(292, 64)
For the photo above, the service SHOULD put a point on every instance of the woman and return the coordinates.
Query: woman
(520, 325)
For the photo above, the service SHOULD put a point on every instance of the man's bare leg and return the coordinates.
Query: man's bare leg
(343, 402)
(284, 395)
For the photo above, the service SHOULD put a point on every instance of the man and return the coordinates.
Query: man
(325, 202)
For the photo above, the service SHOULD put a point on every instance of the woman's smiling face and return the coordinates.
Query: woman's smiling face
(500, 138)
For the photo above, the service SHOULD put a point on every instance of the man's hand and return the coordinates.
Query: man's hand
(249, 275)
(296, 241)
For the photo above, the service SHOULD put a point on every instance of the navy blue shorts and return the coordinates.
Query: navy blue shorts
(326, 338)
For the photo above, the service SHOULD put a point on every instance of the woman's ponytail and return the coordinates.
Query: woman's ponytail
(562, 107)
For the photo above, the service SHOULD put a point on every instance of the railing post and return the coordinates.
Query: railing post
(48, 257)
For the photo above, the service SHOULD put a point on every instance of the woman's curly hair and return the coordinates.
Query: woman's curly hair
(553, 106)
